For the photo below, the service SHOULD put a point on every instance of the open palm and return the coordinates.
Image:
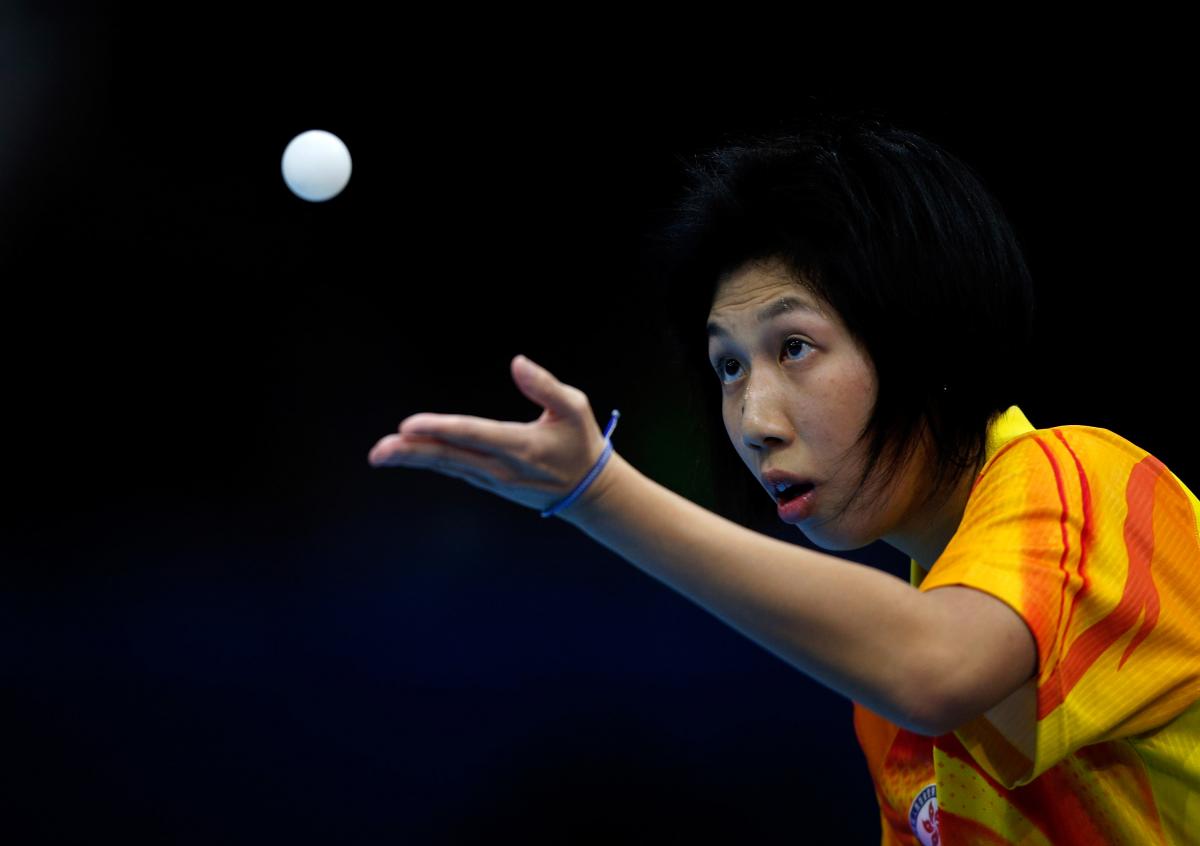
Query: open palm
(534, 464)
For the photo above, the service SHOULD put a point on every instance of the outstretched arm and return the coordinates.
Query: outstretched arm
(925, 661)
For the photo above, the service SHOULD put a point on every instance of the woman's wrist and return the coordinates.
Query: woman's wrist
(590, 477)
(591, 505)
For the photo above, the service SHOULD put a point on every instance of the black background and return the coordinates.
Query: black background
(218, 623)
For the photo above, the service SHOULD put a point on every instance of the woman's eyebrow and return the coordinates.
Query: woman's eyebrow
(780, 306)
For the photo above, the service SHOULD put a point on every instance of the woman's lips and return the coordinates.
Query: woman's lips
(797, 508)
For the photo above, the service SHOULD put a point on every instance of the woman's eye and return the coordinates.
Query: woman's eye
(723, 367)
(792, 344)
(728, 367)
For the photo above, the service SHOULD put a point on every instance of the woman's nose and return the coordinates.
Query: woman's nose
(763, 420)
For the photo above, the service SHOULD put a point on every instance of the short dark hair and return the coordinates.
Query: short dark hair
(901, 238)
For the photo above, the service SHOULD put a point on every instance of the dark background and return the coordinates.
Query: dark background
(218, 623)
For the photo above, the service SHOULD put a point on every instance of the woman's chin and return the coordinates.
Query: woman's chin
(832, 541)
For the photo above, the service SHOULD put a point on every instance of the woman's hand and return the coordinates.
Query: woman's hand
(534, 464)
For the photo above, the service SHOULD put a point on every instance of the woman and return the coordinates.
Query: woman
(867, 307)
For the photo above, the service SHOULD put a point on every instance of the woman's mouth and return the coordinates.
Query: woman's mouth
(796, 502)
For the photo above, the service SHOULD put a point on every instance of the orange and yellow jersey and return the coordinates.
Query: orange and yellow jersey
(1094, 543)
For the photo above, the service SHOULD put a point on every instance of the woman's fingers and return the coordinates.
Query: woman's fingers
(403, 450)
(495, 437)
(541, 386)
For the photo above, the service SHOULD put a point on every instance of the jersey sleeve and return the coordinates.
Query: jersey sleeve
(1093, 542)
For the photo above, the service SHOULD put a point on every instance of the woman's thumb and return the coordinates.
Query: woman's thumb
(539, 385)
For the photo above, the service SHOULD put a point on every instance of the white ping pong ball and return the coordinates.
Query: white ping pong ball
(316, 165)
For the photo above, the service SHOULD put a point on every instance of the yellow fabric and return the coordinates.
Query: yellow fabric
(1094, 543)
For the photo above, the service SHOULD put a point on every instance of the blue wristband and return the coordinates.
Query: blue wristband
(593, 473)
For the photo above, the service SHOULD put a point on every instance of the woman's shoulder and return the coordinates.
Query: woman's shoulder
(1083, 443)
(1090, 453)
(1091, 442)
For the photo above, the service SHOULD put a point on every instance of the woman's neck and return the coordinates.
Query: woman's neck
(930, 532)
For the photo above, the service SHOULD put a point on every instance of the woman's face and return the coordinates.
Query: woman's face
(797, 390)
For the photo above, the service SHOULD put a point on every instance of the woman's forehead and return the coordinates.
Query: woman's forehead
(759, 286)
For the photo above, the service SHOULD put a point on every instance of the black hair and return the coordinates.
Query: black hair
(902, 239)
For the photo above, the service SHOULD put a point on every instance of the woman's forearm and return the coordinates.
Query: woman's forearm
(855, 629)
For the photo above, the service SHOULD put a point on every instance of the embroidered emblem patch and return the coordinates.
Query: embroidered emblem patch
(922, 816)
